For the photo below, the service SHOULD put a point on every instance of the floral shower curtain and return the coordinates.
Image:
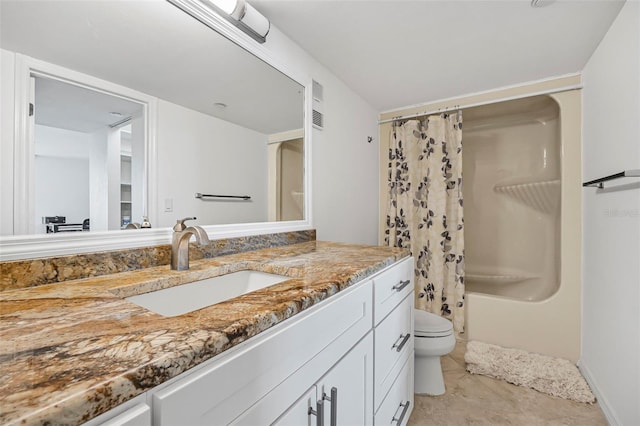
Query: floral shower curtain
(425, 210)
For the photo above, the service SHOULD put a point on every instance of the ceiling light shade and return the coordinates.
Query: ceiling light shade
(244, 16)
(255, 20)
(227, 6)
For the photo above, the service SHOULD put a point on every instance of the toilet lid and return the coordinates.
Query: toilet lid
(428, 323)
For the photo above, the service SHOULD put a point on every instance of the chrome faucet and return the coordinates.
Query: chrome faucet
(180, 243)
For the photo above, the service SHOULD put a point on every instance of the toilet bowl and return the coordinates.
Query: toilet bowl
(433, 339)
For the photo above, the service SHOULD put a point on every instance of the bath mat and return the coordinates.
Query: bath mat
(553, 376)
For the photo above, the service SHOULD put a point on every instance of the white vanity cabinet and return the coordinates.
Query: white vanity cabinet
(342, 396)
(394, 344)
(349, 359)
(298, 352)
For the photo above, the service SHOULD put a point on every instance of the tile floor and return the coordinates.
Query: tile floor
(479, 400)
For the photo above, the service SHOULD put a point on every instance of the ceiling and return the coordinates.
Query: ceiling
(396, 53)
(157, 49)
(66, 106)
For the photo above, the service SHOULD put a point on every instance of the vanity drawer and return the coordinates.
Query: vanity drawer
(394, 341)
(140, 415)
(229, 384)
(398, 403)
(391, 287)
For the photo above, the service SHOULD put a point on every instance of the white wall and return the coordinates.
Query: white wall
(345, 165)
(200, 153)
(56, 142)
(611, 228)
(61, 175)
(62, 189)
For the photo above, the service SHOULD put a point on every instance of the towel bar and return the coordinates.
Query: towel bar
(241, 197)
(599, 183)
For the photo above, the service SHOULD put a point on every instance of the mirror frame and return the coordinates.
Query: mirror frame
(41, 245)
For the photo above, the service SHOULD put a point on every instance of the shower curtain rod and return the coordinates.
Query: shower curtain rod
(494, 101)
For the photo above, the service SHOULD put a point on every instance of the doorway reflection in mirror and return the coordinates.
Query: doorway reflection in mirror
(89, 158)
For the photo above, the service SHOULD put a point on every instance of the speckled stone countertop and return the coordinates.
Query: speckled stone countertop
(70, 351)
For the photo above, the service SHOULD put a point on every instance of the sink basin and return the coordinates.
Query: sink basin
(181, 299)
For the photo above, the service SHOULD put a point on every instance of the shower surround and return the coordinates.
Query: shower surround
(522, 212)
(521, 176)
(511, 194)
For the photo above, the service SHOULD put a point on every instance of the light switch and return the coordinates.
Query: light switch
(168, 205)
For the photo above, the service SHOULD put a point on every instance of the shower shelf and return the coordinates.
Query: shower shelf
(543, 196)
(497, 279)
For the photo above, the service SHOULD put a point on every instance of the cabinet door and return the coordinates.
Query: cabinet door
(351, 380)
(298, 414)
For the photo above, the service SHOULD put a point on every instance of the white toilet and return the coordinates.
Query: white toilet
(433, 339)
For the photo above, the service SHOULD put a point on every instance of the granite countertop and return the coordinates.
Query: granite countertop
(73, 350)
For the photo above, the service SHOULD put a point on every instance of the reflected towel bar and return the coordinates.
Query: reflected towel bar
(599, 183)
(239, 197)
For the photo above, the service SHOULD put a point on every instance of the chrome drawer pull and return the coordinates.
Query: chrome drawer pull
(404, 412)
(404, 341)
(401, 285)
(318, 412)
(334, 405)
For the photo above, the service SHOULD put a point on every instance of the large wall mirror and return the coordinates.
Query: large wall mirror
(127, 109)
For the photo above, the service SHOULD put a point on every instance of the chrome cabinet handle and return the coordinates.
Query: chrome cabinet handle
(401, 285)
(318, 412)
(404, 341)
(404, 412)
(334, 405)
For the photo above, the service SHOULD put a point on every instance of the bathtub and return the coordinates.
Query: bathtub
(522, 201)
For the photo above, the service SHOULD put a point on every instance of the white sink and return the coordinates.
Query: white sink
(181, 299)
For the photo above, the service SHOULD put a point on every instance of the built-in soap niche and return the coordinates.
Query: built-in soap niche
(543, 196)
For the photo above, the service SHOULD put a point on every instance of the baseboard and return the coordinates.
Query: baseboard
(602, 400)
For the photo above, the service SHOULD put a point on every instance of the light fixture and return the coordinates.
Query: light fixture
(244, 16)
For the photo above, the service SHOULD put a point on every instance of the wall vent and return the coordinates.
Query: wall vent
(318, 119)
(317, 91)
(318, 108)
